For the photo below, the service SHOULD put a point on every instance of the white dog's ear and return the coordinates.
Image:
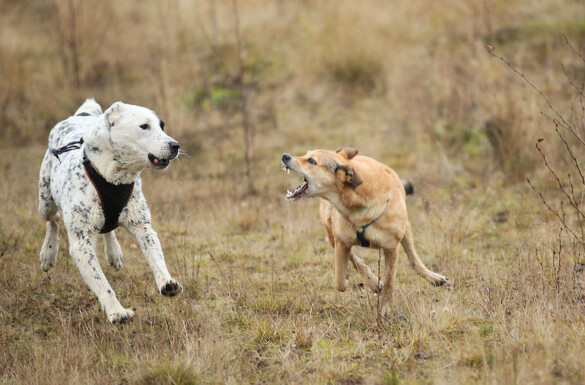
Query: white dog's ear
(347, 152)
(114, 113)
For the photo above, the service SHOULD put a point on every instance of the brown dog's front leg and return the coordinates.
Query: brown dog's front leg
(341, 261)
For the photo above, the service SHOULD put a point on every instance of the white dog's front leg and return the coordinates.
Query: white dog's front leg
(83, 253)
(151, 247)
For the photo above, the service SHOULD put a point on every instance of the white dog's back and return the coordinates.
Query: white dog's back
(72, 128)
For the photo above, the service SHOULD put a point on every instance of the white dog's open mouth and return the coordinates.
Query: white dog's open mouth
(298, 192)
(158, 163)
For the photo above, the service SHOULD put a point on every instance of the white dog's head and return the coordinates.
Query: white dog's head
(136, 135)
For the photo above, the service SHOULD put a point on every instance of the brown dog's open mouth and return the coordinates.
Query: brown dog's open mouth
(298, 192)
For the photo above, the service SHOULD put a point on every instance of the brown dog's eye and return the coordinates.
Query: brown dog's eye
(312, 161)
(144, 126)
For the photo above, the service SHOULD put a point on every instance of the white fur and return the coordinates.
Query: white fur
(119, 149)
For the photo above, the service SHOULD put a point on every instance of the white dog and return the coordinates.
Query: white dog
(91, 172)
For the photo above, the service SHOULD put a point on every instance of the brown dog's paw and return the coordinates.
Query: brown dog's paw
(171, 289)
(440, 282)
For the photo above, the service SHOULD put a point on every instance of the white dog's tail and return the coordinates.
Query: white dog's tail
(89, 108)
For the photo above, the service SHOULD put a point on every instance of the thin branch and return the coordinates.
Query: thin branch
(566, 125)
(560, 184)
(573, 49)
(579, 90)
(579, 213)
(553, 211)
(572, 155)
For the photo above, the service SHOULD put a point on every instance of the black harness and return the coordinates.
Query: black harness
(360, 232)
(113, 197)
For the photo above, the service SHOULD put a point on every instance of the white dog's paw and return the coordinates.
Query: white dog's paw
(120, 315)
(171, 288)
(48, 255)
(114, 258)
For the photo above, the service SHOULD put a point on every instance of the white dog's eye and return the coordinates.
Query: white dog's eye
(144, 126)
(312, 161)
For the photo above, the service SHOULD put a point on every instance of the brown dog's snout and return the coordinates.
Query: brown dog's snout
(286, 157)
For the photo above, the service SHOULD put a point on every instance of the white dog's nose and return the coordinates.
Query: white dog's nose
(174, 146)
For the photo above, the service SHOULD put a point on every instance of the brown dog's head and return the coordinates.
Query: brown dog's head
(323, 172)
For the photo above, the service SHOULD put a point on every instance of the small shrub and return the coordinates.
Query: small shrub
(176, 373)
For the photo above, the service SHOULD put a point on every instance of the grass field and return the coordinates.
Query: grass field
(408, 83)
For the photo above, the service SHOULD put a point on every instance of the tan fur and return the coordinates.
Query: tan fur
(346, 183)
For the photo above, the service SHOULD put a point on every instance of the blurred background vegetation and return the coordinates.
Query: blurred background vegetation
(411, 82)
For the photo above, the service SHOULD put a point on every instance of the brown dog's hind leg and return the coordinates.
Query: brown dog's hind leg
(418, 266)
(365, 272)
(390, 260)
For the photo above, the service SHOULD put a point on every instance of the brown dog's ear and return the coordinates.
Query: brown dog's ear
(351, 177)
(347, 152)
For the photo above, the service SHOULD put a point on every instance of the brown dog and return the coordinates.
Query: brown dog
(363, 204)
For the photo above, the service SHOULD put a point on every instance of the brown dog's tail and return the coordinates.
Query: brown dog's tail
(418, 266)
(408, 187)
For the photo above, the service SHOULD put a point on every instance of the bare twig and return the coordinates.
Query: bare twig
(572, 48)
(566, 125)
(553, 211)
(560, 184)
(572, 156)
(578, 212)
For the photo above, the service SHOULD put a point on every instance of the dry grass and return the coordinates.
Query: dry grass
(409, 84)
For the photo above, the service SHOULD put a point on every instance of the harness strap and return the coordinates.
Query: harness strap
(360, 232)
(113, 197)
(66, 148)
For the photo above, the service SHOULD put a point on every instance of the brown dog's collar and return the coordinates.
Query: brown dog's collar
(360, 232)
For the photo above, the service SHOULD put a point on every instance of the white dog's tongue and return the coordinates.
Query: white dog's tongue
(155, 161)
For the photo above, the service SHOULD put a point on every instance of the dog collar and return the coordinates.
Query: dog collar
(360, 232)
(113, 197)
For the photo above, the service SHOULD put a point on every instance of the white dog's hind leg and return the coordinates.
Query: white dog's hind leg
(51, 244)
(48, 212)
(83, 253)
(113, 250)
(150, 245)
